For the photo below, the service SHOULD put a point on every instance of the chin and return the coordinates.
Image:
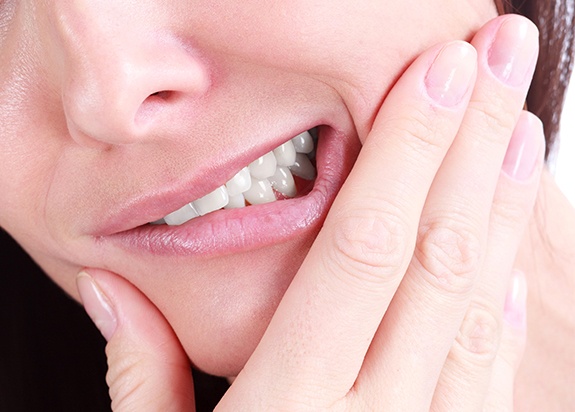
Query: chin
(229, 268)
(221, 324)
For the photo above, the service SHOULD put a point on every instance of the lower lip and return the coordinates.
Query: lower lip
(239, 230)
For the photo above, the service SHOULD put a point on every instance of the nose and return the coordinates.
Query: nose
(125, 78)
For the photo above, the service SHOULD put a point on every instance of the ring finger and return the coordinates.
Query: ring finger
(418, 333)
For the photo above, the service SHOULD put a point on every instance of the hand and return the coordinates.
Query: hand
(399, 304)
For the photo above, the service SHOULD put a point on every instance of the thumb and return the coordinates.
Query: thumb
(148, 369)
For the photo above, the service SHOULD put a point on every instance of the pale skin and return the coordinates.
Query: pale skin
(547, 256)
(340, 299)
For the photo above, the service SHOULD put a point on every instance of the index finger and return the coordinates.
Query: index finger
(341, 292)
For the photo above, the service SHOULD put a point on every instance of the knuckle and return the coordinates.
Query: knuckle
(123, 378)
(449, 253)
(495, 117)
(420, 130)
(369, 245)
(510, 213)
(477, 342)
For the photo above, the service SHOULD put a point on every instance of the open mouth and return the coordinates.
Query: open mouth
(288, 171)
(288, 211)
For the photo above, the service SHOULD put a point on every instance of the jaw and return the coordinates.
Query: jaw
(221, 301)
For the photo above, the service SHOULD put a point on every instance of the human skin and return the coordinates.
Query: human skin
(245, 78)
(369, 323)
(47, 165)
(61, 171)
(547, 256)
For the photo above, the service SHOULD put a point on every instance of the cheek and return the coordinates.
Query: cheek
(358, 48)
(32, 139)
(26, 162)
(31, 145)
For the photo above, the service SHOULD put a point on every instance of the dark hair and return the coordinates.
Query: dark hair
(556, 22)
(52, 357)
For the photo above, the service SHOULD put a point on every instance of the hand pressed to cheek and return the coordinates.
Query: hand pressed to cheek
(335, 304)
(491, 346)
(473, 220)
(79, 73)
(344, 303)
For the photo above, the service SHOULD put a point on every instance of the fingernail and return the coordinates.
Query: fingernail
(450, 75)
(96, 304)
(515, 302)
(524, 148)
(513, 53)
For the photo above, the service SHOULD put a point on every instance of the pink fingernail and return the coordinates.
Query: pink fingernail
(524, 148)
(450, 76)
(513, 54)
(515, 301)
(96, 305)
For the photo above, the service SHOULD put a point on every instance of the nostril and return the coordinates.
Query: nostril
(156, 104)
(164, 94)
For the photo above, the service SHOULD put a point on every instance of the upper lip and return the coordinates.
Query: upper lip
(142, 209)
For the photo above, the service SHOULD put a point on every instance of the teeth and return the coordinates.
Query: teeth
(236, 201)
(263, 167)
(261, 192)
(285, 154)
(239, 183)
(303, 143)
(256, 183)
(303, 167)
(181, 215)
(212, 201)
(282, 181)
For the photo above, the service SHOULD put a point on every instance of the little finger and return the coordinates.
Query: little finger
(470, 360)
(513, 337)
(418, 331)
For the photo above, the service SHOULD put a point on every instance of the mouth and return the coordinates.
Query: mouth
(286, 172)
(270, 201)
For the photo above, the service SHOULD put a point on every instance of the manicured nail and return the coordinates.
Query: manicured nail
(515, 302)
(513, 53)
(450, 76)
(524, 148)
(96, 304)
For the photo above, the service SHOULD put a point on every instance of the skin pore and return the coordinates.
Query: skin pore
(85, 136)
(89, 132)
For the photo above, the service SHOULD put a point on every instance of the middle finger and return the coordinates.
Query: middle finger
(425, 315)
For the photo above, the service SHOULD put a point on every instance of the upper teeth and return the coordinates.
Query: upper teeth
(256, 182)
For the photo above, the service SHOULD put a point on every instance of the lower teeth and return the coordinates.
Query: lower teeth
(258, 183)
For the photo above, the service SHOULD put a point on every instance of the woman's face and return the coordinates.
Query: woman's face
(115, 114)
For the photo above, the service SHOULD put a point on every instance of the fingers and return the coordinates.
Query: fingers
(453, 242)
(476, 346)
(147, 368)
(462, 388)
(425, 199)
(513, 337)
(513, 203)
(483, 380)
(341, 292)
